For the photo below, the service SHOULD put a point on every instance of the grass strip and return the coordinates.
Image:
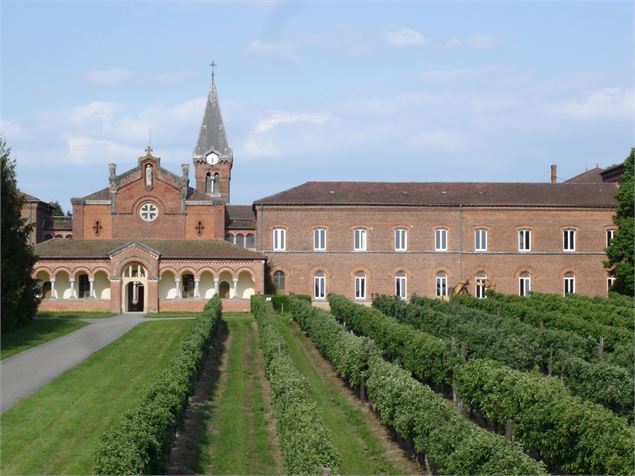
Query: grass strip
(238, 441)
(35, 333)
(56, 430)
(74, 315)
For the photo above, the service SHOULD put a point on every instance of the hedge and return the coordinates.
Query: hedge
(305, 443)
(140, 443)
(571, 433)
(520, 346)
(578, 436)
(451, 443)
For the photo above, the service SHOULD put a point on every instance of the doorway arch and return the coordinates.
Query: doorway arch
(134, 285)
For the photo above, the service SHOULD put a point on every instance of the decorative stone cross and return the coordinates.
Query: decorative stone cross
(97, 227)
(199, 228)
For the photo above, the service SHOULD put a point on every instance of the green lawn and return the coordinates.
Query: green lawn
(56, 430)
(171, 314)
(237, 440)
(35, 333)
(360, 449)
(74, 315)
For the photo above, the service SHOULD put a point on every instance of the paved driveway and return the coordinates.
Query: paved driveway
(24, 373)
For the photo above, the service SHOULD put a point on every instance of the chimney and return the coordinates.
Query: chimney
(554, 173)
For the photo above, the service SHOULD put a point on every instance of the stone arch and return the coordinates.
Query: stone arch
(98, 269)
(168, 269)
(205, 269)
(244, 269)
(226, 269)
(132, 259)
(226, 282)
(101, 284)
(42, 268)
(63, 284)
(246, 284)
(62, 269)
(80, 270)
(167, 284)
(44, 278)
(206, 285)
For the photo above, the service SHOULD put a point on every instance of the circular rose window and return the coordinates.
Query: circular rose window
(148, 212)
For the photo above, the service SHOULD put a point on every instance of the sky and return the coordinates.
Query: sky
(353, 90)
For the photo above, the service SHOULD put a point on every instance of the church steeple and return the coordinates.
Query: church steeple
(212, 156)
(212, 137)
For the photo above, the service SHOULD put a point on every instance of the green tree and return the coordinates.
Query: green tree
(57, 210)
(19, 290)
(621, 250)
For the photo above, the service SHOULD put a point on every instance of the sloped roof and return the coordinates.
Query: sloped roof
(196, 249)
(192, 194)
(446, 194)
(240, 216)
(590, 176)
(212, 134)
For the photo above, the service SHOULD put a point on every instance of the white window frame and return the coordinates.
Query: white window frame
(610, 281)
(569, 284)
(401, 286)
(319, 239)
(479, 286)
(360, 286)
(524, 240)
(401, 239)
(480, 239)
(279, 239)
(319, 286)
(524, 285)
(610, 236)
(440, 239)
(441, 285)
(568, 239)
(359, 237)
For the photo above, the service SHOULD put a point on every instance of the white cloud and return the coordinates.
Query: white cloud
(273, 51)
(405, 37)
(9, 129)
(81, 148)
(106, 77)
(290, 118)
(479, 41)
(606, 103)
(94, 111)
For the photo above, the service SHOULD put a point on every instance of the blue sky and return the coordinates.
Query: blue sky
(412, 91)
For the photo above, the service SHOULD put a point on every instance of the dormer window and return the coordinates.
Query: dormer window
(148, 174)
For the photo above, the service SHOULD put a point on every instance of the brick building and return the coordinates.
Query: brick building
(150, 242)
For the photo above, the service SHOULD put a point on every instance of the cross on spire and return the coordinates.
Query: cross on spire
(213, 65)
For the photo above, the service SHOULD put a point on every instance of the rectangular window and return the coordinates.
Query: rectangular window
(524, 240)
(480, 239)
(441, 239)
(442, 286)
(319, 239)
(319, 287)
(524, 286)
(401, 237)
(279, 239)
(401, 283)
(610, 235)
(610, 281)
(569, 285)
(360, 286)
(360, 239)
(568, 240)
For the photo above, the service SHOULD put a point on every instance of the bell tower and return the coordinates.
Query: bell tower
(212, 156)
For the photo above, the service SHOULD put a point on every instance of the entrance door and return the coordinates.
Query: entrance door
(135, 292)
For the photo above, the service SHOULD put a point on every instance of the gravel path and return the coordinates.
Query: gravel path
(24, 373)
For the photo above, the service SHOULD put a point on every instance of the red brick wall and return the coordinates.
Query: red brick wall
(60, 305)
(547, 263)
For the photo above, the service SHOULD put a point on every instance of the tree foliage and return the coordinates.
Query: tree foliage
(621, 250)
(56, 209)
(19, 290)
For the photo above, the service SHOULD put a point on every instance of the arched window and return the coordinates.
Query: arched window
(479, 282)
(134, 270)
(360, 285)
(208, 183)
(278, 280)
(216, 183)
(442, 284)
(187, 283)
(569, 283)
(401, 285)
(240, 240)
(250, 241)
(524, 284)
(229, 237)
(319, 285)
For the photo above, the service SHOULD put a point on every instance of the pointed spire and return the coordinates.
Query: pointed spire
(212, 137)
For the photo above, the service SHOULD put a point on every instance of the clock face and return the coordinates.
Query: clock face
(212, 158)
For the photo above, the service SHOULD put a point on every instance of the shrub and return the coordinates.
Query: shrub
(305, 443)
(141, 442)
